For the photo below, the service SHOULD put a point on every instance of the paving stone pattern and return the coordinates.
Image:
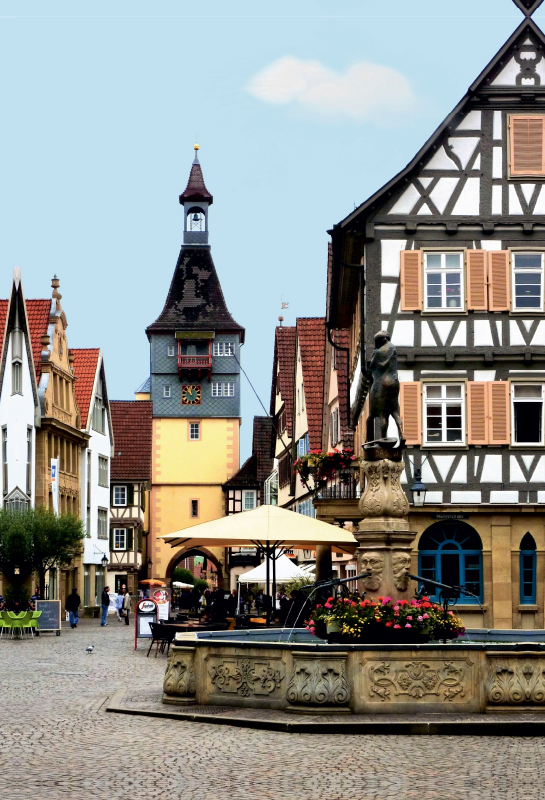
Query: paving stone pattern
(57, 741)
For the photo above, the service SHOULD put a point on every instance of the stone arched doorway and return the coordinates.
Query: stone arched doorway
(187, 552)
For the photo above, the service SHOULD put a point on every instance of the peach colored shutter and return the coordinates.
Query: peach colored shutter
(411, 411)
(498, 412)
(499, 294)
(476, 280)
(411, 280)
(477, 402)
(527, 145)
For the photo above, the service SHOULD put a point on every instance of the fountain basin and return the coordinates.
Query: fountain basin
(250, 669)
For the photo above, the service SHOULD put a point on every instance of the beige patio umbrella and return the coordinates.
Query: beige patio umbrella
(270, 528)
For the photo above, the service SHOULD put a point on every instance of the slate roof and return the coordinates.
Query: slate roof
(311, 336)
(38, 322)
(196, 189)
(131, 422)
(246, 476)
(283, 377)
(85, 370)
(259, 466)
(195, 300)
(145, 388)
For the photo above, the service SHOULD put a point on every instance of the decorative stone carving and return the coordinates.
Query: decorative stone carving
(180, 676)
(516, 682)
(383, 495)
(401, 564)
(416, 680)
(371, 561)
(246, 676)
(319, 680)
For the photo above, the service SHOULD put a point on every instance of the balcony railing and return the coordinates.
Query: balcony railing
(194, 362)
(347, 489)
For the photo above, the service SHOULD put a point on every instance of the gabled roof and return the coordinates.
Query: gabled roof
(195, 300)
(85, 370)
(38, 322)
(131, 422)
(261, 446)
(196, 189)
(246, 476)
(4, 304)
(482, 85)
(311, 337)
(528, 6)
(283, 377)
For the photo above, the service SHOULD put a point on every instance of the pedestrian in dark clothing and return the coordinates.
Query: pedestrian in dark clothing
(232, 604)
(72, 605)
(126, 605)
(105, 603)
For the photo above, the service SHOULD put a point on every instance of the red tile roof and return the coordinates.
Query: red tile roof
(3, 314)
(131, 421)
(311, 335)
(340, 337)
(38, 321)
(283, 378)
(85, 370)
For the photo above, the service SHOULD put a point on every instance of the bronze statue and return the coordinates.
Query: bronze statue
(384, 392)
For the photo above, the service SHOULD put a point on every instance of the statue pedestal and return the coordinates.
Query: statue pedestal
(384, 538)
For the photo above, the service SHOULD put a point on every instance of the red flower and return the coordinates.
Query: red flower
(388, 624)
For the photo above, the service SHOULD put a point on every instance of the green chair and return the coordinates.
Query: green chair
(33, 623)
(26, 622)
(16, 621)
(3, 624)
(6, 622)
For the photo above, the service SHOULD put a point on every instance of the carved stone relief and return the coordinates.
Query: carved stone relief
(516, 682)
(246, 676)
(180, 676)
(383, 495)
(401, 564)
(372, 561)
(417, 680)
(319, 681)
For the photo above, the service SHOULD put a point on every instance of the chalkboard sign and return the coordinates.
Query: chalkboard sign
(50, 619)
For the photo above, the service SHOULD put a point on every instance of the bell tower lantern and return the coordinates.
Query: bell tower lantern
(196, 199)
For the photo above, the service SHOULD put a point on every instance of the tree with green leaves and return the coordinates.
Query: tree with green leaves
(54, 541)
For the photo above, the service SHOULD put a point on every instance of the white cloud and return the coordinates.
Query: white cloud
(364, 91)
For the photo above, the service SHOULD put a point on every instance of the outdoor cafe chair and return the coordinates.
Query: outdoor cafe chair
(26, 622)
(4, 625)
(161, 634)
(33, 624)
(16, 621)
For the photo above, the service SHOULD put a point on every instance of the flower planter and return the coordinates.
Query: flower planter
(380, 636)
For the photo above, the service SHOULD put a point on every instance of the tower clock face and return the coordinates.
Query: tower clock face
(191, 395)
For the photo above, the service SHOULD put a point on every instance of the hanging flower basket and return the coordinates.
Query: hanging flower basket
(322, 466)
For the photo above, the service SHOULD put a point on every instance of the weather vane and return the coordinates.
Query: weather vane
(528, 6)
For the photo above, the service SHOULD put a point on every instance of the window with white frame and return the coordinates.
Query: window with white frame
(223, 389)
(527, 399)
(443, 280)
(223, 349)
(102, 523)
(527, 281)
(302, 445)
(120, 495)
(444, 413)
(170, 350)
(249, 499)
(166, 391)
(271, 489)
(102, 471)
(194, 431)
(120, 539)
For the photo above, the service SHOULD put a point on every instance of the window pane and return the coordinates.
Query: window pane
(528, 391)
(528, 422)
(434, 391)
(433, 260)
(450, 569)
(528, 260)
(453, 260)
(454, 391)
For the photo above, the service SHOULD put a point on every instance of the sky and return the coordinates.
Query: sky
(302, 110)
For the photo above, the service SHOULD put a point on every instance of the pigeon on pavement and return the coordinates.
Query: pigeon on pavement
(89, 648)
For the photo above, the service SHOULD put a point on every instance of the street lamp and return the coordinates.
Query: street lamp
(418, 489)
(104, 561)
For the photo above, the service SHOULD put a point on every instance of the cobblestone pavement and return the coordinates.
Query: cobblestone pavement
(56, 741)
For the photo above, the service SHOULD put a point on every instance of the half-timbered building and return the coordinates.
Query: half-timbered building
(449, 259)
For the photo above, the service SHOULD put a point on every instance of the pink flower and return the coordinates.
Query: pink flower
(421, 618)
(397, 626)
(408, 617)
(425, 616)
(328, 605)
(313, 631)
(413, 602)
(396, 608)
(408, 625)
(396, 613)
(311, 622)
(386, 600)
(318, 605)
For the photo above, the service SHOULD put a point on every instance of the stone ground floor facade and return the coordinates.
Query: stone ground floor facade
(58, 742)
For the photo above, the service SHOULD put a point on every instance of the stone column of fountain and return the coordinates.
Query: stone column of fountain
(383, 535)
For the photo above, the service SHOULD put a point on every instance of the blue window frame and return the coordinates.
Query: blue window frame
(528, 570)
(452, 554)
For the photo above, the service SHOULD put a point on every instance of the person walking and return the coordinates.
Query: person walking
(126, 605)
(119, 607)
(72, 605)
(105, 603)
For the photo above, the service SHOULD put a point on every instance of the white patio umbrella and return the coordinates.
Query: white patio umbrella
(180, 585)
(285, 571)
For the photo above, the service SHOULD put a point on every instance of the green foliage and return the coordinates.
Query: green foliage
(15, 544)
(299, 584)
(201, 585)
(183, 575)
(20, 593)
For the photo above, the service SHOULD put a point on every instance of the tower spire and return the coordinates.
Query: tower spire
(528, 6)
(195, 199)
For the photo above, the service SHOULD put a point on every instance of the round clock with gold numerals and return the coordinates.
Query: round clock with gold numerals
(191, 395)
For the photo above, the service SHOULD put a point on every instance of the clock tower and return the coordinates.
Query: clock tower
(194, 387)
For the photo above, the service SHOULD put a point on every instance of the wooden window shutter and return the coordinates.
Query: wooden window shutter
(411, 280)
(130, 494)
(499, 295)
(411, 411)
(476, 280)
(130, 538)
(111, 538)
(527, 144)
(477, 413)
(499, 429)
